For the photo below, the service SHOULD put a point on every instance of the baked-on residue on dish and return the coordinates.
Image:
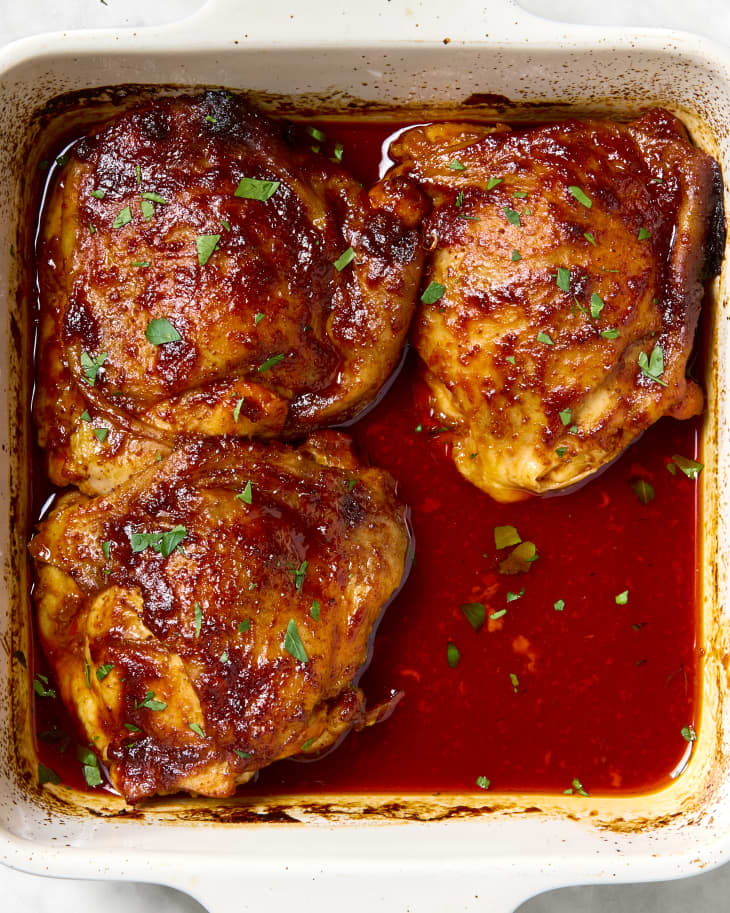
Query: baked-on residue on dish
(562, 293)
(213, 613)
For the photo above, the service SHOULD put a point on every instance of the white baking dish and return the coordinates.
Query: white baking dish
(420, 853)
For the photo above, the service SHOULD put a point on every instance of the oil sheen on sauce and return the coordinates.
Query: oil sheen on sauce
(568, 683)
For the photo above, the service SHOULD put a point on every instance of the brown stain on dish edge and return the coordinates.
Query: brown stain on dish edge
(80, 109)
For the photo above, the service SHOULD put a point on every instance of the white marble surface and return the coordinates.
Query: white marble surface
(21, 893)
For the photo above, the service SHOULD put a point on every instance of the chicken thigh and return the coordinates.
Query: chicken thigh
(563, 289)
(214, 612)
(204, 272)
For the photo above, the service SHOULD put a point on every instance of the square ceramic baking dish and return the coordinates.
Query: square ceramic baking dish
(420, 853)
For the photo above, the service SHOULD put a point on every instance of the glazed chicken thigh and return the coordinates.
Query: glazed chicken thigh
(563, 289)
(213, 613)
(204, 271)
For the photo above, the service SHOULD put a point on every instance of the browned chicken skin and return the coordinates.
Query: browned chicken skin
(178, 299)
(193, 660)
(571, 257)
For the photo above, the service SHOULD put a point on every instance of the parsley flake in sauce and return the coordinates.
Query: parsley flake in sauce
(643, 490)
(154, 198)
(499, 614)
(644, 234)
(516, 256)
(293, 642)
(513, 217)
(244, 626)
(691, 468)
(456, 165)
(492, 182)
(689, 734)
(559, 605)
(515, 682)
(590, 237)
(99, 194)
(545, 338)
(198, 619)
(196, 729)
(483, 782)
(511, 597)
(452, 655)
(611, 333)
(90, 766)
(254, 189)
(475, 613)
(148, 209)
(505, 536)
(258, 318)
(160, 331)
(566, 416)
(101, 434)
(563, 279)
(103, 671)
(46, 775)
(622, 598)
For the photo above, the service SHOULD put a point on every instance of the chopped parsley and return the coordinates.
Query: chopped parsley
(590, 237)
(196, 729)
(452, 655)
(247, 494)
(242, 754)
(492, 182)
(513, 217)
(270, 363)
(123, 218)
(653, 366)
(101, 434)
(293, 642)
(456, 165)
(160, 331)
(691, 468)
(515, 682)
(580, 196)
(148, 209)
(40, 686)
(99, 194)
(561, 451)
(163, 543)
(511, 597)
(244, 626)
(90, 366)
(610, 333)
(85, 417)
(483, 782)
(559, 605)
(205, 245)
(563, 279)
(505, 536)
(433, 293)
(511, 359)
(597, 305)
(689, 734)
(103, 671)
(566, 416)
(258, 318)
(516, 256)
(338, 153)
(90, 766)
(475, 613)
(150, 703)
(153, 197)
(499, 614)
(644, 234)
(622, 598)
(345, 257)
(254, 189)
(520, 559)
(198, 619)
(643, 490)
(545, 338)
(237, 409)
(46, 775)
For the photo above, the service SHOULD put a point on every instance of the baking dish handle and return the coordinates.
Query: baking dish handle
(420, 888)
(342, 22)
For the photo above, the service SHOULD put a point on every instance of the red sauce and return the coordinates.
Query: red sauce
(601, 690)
